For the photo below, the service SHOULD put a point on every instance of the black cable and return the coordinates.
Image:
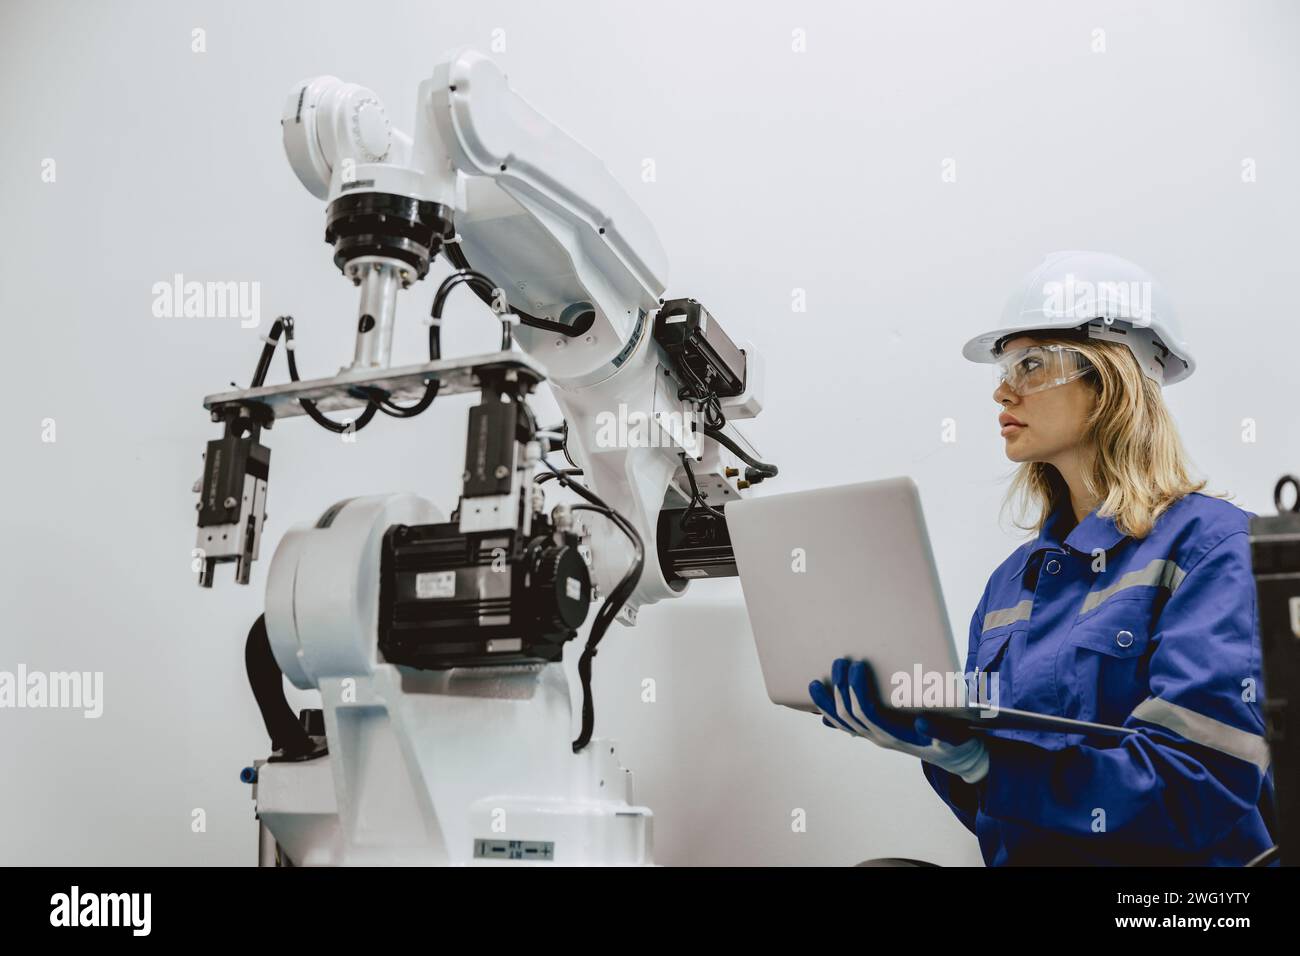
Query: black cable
(435, 337)
(706, 398)
(481, 285)
(697, 501)
(613, 603)
(713, 417)
(391, 408)
(267, 682)
(268, 352)
(285, 324)
(550, 476)
(457, 258)
(385, 404)
(309, 406)
(564, 447)
(715, 421)
(762, 467)
(377, 399)
(563, 430)
(484, 287)
(606, 616)
(339, 428)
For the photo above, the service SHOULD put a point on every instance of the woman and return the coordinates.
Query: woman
(1135, 605)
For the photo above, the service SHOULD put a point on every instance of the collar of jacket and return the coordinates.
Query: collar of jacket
(1090, 534)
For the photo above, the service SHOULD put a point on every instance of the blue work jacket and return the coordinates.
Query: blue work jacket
(1159, 634)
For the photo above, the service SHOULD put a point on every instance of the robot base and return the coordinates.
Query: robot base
(461, 767)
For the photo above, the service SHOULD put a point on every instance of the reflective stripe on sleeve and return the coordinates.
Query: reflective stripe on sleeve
(1205, 731)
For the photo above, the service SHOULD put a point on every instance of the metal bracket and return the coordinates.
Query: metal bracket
(344, 391)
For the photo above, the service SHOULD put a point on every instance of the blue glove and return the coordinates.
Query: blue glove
(850, 703)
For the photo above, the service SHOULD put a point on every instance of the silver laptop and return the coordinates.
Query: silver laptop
(848, 572)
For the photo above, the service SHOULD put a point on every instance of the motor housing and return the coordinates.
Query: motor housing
(452, 599)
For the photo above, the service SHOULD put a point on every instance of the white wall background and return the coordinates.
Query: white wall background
(777, 171)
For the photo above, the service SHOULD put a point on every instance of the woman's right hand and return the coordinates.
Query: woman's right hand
(849, 702)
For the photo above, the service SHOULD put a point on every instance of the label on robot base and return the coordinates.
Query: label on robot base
(542, 850)
(435, 584)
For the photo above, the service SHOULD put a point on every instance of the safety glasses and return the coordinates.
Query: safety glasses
(1038, 367)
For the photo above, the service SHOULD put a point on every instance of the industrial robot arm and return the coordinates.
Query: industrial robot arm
(576, 259)
(649, 390)
(436, 641)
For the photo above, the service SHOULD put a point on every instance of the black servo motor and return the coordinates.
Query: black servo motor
(448, 599)
(706, 358)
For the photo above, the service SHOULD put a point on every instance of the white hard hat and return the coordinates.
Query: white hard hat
(1110, 298)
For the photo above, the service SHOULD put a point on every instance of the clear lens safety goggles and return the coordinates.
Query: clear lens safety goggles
(1038, 367)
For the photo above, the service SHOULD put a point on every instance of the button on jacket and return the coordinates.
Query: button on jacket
(1158, 634)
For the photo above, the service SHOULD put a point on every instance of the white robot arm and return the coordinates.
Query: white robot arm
(414, 627)
(567, 249)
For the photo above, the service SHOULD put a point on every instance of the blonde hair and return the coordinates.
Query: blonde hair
(1140, 467)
